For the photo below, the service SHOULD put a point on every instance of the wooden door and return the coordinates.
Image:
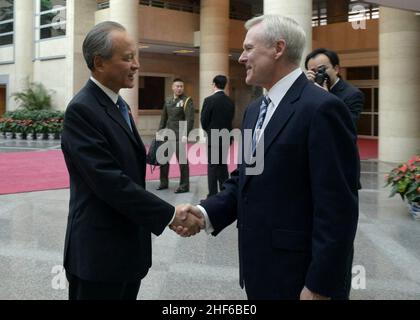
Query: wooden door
(2, 100)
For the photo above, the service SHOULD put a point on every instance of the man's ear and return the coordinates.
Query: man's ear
(337, 69)
(98, 63)
(280, 47)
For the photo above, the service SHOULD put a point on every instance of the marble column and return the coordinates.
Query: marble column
(300, 11)
(399, 85)
(24, 30)
(126, 12)
(214, 40)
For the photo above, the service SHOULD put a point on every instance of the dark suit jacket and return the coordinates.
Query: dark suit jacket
(111, 216)
(297, 220)
(353, 98)
(218, 112)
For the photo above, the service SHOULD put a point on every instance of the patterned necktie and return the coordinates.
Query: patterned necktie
(263, 112)
(124, 111)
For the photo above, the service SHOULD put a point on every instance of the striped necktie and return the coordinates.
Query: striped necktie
(124, 111)
(263, 112)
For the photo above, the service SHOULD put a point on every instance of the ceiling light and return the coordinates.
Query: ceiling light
(184, 51)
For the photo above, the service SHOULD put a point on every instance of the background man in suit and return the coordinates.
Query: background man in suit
(217, 114)
(178, 108)
(108, 239)
(352, 97)
(296, 220)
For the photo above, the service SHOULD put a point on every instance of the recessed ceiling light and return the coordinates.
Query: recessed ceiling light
(183, 51)
(143, 46)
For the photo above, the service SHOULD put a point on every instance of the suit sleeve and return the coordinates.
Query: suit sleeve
(90, 156)
(163, 118)
(355, 104)
(189, 116)
(222, 207)
(334, 172)
(205, 116)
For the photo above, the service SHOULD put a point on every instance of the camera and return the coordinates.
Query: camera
(322, 76)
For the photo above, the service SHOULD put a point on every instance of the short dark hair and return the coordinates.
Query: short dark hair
(332, 56)
(178, 80)
(220, 82)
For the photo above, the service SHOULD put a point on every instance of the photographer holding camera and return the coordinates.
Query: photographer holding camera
(323, 67)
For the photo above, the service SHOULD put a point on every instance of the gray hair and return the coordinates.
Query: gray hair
(278, 27)
(98, 42)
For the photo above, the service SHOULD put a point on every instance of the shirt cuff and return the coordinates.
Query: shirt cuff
(208, 226)
(173, 218)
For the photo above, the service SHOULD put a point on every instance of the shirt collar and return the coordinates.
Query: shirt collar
(111, 94)
(338, 79)
(279, 90)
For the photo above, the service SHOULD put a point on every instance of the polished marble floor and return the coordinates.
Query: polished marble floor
(32, 226)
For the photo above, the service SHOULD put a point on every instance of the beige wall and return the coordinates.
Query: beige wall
(175, 27)
(52, 73)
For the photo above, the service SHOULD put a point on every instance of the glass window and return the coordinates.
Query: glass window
(52, 18)
(359, 73)
(6, 22)
(367, 92)
(364, 127)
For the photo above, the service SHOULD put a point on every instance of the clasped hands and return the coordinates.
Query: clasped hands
(188, 220)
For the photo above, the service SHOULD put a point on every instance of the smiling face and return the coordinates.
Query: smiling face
(120, 70)
(259, 58)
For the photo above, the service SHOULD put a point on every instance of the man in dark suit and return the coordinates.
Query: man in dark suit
(352, 97)
(297, 219)
(108, 240)
(217, 114)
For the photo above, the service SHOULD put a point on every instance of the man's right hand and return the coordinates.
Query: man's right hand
(311, 77)
(193, 220)
(188, 221)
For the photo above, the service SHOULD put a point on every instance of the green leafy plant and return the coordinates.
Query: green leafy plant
(405, 180)
(34, 97)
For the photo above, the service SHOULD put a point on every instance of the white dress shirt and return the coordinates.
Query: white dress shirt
(276, 95)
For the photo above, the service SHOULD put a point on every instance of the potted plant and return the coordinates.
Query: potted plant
(41, 130)
(405, 180)
(3, 127)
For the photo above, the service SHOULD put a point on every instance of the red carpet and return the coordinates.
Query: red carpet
(39, 171)
(368, 149)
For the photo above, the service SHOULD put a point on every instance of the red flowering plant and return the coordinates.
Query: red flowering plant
(405, 180)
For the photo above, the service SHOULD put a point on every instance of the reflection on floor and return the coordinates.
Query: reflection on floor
(32, 227)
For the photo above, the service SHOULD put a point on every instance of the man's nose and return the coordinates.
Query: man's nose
(136, 64)
(242, 58)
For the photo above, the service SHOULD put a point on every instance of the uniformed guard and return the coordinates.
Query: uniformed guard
(177, 110)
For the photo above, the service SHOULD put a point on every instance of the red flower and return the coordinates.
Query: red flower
(404, 168)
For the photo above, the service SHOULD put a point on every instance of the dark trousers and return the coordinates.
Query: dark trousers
(86, 290)
(184, 182)
(217, 168)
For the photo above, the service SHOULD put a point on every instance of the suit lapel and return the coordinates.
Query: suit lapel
(338, 87)
(281, 116)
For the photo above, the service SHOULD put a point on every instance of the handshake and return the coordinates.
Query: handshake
(189, 221)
